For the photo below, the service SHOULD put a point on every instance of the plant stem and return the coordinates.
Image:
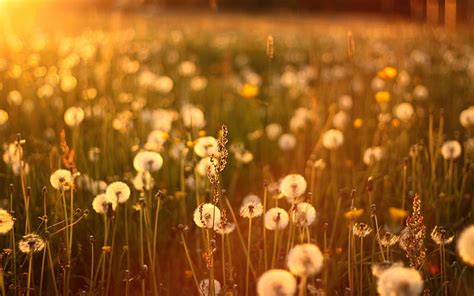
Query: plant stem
(247, 272)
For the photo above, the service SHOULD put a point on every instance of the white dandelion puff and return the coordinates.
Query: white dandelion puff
(118, 190)
(149, 161)
(305, 260)
(61, 179)
(276, 282)
(451, 150)
(400, 281)
(276, 218)
(293, 186)
(207, 215)
(465, 245)
(333, 139)
(303, 214)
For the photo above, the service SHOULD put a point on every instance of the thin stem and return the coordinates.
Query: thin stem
(190, 262)
(247, 272)
(30, 273)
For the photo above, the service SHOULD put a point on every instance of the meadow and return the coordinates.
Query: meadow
(207, 154)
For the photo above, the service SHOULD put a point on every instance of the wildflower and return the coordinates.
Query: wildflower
(305, 260)
(276, 282)
(207, 215)
(397, 214)
(303, 214)
(466, 118)
(249, 91)
(332, 139)
(273, 131)
(3, 117)
(106, 249)
(465, 245)
(451, 150)
(94, 154)
(400, 281)
(31, 243)
(73, 116)
(287, 142)
(206, 146)
(373, 155)
(382, 97)
(387, 73)
(361, 229)
(61, 180)
(358, 122)
(163, 84)
(353, 213)
(103, 202)
(276, 218)
(143, 181)
(118, 190)
(192, 117)
(204, 286)
(6, 221)
(149, 161)
(389, 239)
(293, 186)
(251, 209)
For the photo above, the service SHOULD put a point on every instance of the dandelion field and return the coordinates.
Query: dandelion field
(202, 154)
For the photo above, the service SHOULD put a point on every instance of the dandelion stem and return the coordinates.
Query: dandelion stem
(247, 272)
(190, 262)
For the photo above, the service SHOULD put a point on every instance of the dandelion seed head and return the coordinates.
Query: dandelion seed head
(287, 142)
(293, 186)
(206, 146)
(305, 260)
(373, 155)
(303, 214)
(361, 229)
(61, 179)
(207, 215)
(404, 111)
(6, 221)
(400, 281)
(251, 209)
(465, 245)
(149, 161)
(204, 287)
(276, 282)
(102, 203)
(466, 117)
(31, 243)
(143, 181)
(273, 131)
(74, 116)
(451, 150)
(192, 117)
(251, 198)
(341, 120)
(345, 102)
(332, 139)
(276, 218)
(118, 190)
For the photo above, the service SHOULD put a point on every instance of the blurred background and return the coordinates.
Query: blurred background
(414, 9)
